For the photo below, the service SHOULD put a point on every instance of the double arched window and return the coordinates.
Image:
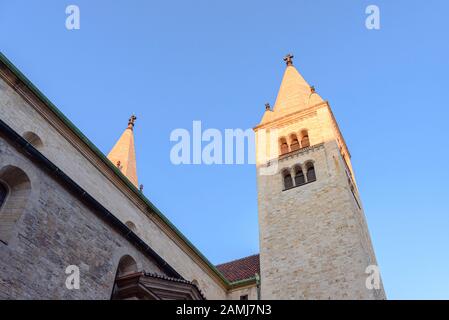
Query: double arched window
(300, 178)
(294, 143)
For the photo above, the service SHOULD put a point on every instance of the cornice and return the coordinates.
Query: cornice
(292, 117)
(301, 115)
(295, 154)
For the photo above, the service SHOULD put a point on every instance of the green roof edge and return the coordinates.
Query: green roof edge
(100, 154)
(243, 282)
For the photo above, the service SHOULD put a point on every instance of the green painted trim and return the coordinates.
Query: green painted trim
(71, 126)
(244, 282)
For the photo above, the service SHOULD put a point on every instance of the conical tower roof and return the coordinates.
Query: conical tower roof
(123, 154)
(294, 94)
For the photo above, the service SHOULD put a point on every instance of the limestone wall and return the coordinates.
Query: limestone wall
(314, 241)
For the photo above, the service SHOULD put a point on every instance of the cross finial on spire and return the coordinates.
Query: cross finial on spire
(289, 59)
(131, 121)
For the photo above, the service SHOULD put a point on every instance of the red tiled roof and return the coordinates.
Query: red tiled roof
(240, 269)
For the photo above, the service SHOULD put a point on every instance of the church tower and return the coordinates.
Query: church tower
(314, 240)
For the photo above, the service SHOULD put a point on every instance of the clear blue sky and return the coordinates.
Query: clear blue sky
(172, 62)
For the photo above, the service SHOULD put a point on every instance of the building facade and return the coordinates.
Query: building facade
(64, 204)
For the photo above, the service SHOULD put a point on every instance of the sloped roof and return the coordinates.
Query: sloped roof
(294, 94)
(241, 269)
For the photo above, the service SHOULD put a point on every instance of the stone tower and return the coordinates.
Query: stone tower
(314, 240)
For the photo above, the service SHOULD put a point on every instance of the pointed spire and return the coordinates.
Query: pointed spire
(123, 154)
(294, 94)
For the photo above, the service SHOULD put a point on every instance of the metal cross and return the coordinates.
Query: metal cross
(131, 121)
(289, 59)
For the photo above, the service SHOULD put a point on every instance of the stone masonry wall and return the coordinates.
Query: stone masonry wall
(314, 241)
(56, 230)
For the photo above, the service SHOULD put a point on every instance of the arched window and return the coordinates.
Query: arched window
(288, 181)
(310, 172)
(299, 176)
(305, 139)
(294, 143)
(131, 225)
(3, 194)
(284, 146)
(14, 193)
(33, 139)
(127, 265)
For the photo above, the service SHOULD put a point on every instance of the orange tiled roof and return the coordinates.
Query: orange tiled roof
(241, 269)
